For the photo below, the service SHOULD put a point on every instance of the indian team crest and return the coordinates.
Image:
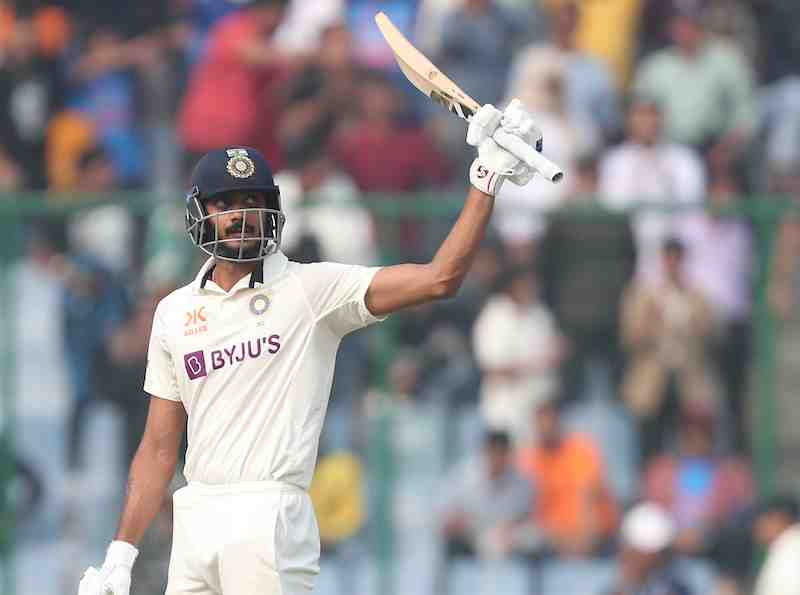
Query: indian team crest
(259, 304)
(239, 164)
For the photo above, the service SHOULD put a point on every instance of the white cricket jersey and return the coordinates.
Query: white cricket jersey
(253, 367)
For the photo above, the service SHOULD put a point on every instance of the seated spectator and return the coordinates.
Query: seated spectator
(104, 86)
(232, 94)
(777, 528)
(606, 30)
(478, 41)
(519, 350)
(720, 263)
(383, 154)
(304, 26)
(31, 91)
(580, 257)
(323, 202)
(645, 566)
(380, 153)
(701, 490)
(667, 329)
(487, 502)
(324, 89)
(589, 88)
(705, 86)
(105, 232)
(646, 168)
(573, 506)
(518, 212)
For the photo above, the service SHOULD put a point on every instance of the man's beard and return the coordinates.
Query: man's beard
(231, 249)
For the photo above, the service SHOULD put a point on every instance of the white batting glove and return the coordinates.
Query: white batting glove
(114, 577)
(495, 164)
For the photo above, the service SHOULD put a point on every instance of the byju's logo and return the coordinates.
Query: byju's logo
(195, 363)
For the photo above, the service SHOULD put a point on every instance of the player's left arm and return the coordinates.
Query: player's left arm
(396, 287)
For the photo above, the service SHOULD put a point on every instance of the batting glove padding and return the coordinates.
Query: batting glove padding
(498, 159)
(114, 577)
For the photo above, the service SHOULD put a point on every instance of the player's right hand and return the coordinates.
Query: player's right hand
(495, 163)
(114, 577)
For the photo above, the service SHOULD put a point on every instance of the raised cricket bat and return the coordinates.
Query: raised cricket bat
(430, 80)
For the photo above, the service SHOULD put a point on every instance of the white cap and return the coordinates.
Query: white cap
(647, 528)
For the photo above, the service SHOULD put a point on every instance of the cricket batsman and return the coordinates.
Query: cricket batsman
(243, 358)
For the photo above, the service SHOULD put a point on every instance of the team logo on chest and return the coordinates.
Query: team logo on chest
(259, 304)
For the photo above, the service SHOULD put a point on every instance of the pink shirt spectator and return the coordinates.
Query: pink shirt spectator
(719, 262)
(229, 102)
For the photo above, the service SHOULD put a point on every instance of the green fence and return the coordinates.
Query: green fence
(16, 211)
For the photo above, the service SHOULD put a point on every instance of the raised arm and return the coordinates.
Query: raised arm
(401, 286)
(404, 285)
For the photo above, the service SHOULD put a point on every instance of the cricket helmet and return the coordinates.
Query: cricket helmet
(228, 170)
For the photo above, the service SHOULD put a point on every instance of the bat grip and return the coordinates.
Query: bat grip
(519, 148)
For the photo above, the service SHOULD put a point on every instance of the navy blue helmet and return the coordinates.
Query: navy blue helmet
(229, 170)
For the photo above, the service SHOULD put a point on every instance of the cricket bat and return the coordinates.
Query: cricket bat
(432, 82)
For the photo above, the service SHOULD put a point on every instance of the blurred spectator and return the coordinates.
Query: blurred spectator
(585, 264)
(323, 202)
(232, 96)
(10, 174)
(667, 328)
(370, 46)
(608, 31)
(479, 39)
(780, 127)
(574, 506)
(94, 305)
(704, 85)
(127, 350)
(777, 528)
(106, 233)
(380, 152)
(720, 253)
(645, 565)
(589, 89)
(31, 90)
(322, 93)
(519, 350)
(104, 83)
(337, 492)
(647, 168)
(487, 502)
(383, 154)
(518, 211)
(702, 490)
(305, 23)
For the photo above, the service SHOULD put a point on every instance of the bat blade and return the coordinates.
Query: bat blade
(422, 73)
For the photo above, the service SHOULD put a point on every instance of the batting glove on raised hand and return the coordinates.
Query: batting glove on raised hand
(114, 577)
(496, 163)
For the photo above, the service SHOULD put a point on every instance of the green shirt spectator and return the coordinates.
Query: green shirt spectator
(704, 97)
(705, 86)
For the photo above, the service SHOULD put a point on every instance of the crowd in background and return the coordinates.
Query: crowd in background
(586, 396)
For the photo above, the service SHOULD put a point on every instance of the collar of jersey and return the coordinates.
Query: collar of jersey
(273, 266)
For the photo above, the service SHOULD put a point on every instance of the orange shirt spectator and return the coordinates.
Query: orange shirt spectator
(574, 505)
(232, 96)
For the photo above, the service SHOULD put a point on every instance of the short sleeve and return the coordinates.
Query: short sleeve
(159, 378)
(337, 292)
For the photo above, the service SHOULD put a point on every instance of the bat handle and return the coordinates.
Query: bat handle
(514, 144)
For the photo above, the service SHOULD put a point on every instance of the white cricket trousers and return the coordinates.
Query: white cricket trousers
(258, 538)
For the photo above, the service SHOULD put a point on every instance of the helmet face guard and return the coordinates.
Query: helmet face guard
(203, 229)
